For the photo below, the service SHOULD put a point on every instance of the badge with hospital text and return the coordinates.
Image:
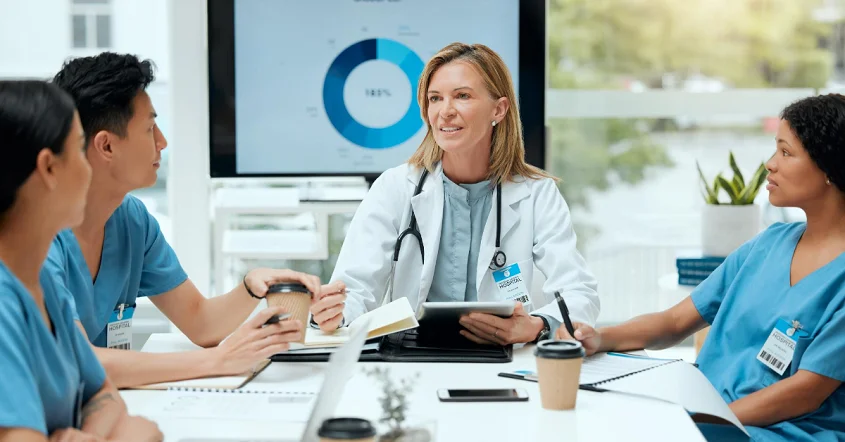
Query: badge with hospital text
(120, 328)
(511, 285)
(778, 350)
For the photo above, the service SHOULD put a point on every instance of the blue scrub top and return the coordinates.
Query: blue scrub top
(43, 372)
(744, 299)
(136, 261)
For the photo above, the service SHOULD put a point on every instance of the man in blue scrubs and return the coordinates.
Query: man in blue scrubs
(776, 349)
(119, 252)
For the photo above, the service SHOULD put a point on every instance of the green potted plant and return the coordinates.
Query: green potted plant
(726, 225)
(394, 404)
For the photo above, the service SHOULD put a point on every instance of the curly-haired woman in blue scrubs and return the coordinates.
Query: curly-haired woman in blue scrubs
(776, 349)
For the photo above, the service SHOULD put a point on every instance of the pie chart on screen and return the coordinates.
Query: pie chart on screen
(370, 82)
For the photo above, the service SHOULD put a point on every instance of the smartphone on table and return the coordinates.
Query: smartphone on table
(483, 395)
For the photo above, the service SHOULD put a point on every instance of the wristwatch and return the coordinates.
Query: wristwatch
(314, 324)
(544, 333)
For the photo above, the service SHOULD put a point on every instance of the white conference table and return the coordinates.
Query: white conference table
(597, 416)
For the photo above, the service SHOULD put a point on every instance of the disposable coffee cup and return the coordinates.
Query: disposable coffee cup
(346, 429)
(296, 300)
(558, 372)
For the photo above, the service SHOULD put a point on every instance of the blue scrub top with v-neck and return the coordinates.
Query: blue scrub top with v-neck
(136, 261)
(43, 371)
(743, 301)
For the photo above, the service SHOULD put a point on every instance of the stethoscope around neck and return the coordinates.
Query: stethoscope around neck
(496, 262)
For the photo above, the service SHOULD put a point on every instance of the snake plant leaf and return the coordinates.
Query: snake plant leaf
(750, 192)
(735, 168)
(738, 184)
(711, 196)
(729, 188)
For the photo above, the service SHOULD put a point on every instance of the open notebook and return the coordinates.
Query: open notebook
(670, 380)
(391, 318)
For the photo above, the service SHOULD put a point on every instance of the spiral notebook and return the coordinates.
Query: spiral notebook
(243, 404)
(607, 367)
(282, 400)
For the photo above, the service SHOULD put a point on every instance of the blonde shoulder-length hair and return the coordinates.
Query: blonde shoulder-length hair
(507, 153)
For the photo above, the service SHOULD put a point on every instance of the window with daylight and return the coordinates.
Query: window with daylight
(91, 24)
(634, 105)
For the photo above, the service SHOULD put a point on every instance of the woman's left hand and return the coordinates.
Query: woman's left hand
(482, 328)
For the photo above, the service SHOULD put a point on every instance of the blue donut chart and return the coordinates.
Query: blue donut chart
(343, 65)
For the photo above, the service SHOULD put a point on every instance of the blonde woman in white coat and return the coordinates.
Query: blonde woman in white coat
(475, 186)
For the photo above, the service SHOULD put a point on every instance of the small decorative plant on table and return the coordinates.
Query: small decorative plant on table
(394, 405)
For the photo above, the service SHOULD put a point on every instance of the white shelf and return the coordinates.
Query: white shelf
(142, 328)
(310, 204)
(257, 200)
(274, 244)
(287, 200)
(150, 326)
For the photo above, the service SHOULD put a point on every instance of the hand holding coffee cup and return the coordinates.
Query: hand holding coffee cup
(589, 337)
(559, 372)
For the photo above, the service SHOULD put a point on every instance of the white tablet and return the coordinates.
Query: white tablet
(452, 311)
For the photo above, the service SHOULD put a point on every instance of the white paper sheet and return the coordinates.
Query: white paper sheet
(680, 383)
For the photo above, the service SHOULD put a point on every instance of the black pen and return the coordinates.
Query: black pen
(276, 318)
(77, 419)
(564, 311)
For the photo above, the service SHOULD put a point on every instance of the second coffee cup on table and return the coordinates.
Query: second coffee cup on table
(296, 300)
(558, 372)
(346, 429)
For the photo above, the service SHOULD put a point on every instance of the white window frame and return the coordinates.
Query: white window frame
(90, 11)
(580, 103)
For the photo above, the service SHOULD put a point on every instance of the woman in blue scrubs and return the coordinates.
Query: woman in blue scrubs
(776, 349)
(48, 368)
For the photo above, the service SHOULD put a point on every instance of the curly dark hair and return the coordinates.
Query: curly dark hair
(819, 122)
(103, 87)
(33, 115)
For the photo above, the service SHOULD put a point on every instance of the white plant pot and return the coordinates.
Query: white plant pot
(724, 227)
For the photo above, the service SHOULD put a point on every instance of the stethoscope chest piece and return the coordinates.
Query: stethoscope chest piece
(498, 261)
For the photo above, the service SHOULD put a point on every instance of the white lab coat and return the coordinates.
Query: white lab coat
(536, 231)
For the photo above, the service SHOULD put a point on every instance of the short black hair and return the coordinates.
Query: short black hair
(33, 115)
(103, 87)
(819, 122)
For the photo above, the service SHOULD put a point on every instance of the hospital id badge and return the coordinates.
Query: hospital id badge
(778, 350)
(511, 285)
(120, 328)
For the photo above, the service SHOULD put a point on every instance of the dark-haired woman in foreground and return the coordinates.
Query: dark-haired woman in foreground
(776, 350)
(51, 384)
